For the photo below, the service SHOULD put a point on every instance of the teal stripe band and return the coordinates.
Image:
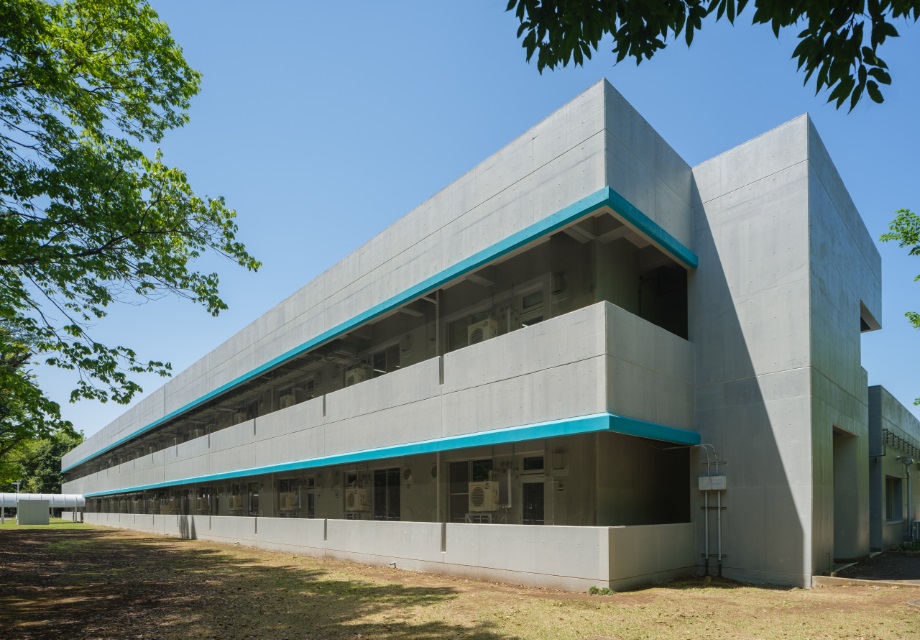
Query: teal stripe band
(573, 426)
(605, 197)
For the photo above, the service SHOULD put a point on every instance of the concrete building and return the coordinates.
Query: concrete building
(894, 481)
(525, 377)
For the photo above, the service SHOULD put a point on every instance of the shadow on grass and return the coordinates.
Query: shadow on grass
(98, 583)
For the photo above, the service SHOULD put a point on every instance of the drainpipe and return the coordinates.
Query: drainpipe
(908, 520)
(713, 483)
(706, 514)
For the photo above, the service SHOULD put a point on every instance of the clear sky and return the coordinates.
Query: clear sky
(323, 123)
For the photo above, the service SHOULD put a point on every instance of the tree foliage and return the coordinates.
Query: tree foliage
(838, 42)
(905, 230)
(87, 218)
(38, 462)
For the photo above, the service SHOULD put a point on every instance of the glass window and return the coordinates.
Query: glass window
(893, 499)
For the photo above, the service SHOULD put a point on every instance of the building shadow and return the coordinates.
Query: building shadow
(95, 583)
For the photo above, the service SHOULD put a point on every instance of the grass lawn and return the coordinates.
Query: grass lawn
(56, 523)
(79, 581)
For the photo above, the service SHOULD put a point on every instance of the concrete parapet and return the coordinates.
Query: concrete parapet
(569, 558)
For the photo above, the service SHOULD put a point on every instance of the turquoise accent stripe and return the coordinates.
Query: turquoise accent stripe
(597, 423)
(605, 197)
(651, 229)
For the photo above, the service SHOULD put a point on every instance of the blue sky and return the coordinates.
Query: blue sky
(323, 123)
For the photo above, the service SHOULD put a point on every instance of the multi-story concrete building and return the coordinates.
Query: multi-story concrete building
(525, 377)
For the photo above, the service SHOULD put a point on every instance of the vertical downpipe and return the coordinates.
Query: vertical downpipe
(437, 485)
(909, 519)
(719, 520)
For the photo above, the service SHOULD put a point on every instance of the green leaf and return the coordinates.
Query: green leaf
(874, 93)
(882, 76)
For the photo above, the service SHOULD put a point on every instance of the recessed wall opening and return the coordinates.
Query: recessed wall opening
(894, 499)
(846, 494)
(557, 481)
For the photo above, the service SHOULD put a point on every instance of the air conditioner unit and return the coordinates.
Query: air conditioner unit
(288, 400)
(201, 504)
(240, 416)
(484, 496)
(165, 508)
(481, 331)
(236, 503)
(355, 499)
(357, 374)
(288, 501)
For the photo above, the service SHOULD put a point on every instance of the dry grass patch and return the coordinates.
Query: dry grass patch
(90, 582)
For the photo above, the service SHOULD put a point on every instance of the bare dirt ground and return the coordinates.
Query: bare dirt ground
(88, 583)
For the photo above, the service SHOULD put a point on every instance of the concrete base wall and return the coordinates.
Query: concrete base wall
(570, 558)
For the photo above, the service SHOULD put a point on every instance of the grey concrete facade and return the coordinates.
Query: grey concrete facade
(894, 470)
(569, 320)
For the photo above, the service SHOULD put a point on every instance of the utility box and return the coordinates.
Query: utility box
(32, 512)
(713, 483)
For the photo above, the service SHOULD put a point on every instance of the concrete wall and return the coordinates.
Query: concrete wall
(887, 413)
(559, 368)
(595, 140)
(749, 325)
(645, 170)
(845, 277)
(573, 558)
(785, 261)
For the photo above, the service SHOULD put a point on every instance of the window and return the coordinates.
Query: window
(532, 308)
(461, 474)
(289, 490)
(386, 361)
(203, 501)
(386, 494)
(311, 497)
(532, 464)
(255, 488)
(893, 499)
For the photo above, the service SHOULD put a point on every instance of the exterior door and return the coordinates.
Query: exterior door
(386, 494)
(533, 503)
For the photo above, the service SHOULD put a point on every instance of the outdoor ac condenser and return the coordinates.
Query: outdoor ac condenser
(236, 503)
(484, 496)
(355, 499)
(288, 501)
(286, 401)
(481, 331)
(357, 374)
